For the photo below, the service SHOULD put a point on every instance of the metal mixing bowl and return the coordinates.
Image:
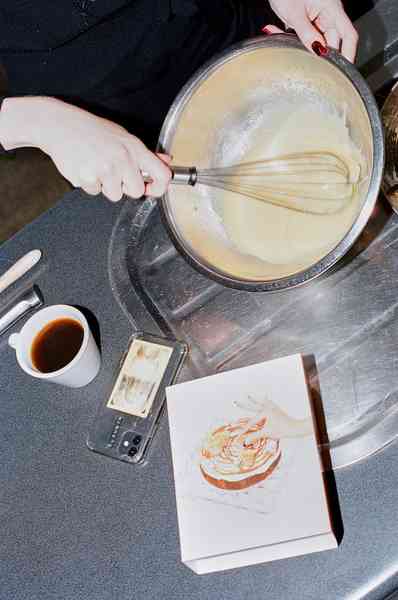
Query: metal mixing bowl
(214, 118)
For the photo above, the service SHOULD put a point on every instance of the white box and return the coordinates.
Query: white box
(248, 477)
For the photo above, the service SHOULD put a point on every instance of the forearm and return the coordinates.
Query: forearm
(23, 120)
(91, 152)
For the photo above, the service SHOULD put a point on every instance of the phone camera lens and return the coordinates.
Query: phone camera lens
(133, 450)
(137, 440)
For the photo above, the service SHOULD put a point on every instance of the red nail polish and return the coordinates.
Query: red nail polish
(267, 31)
(320, 49)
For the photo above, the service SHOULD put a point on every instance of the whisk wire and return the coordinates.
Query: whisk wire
(309, 182)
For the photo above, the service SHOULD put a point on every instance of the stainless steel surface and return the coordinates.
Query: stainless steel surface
(316, 183)
(184, 175)
(179, 175)
(25, 304)
(378, 43)
(345, 323)
(334, 81)
(346, 320)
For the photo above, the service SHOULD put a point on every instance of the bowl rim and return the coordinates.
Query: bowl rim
(328, 261)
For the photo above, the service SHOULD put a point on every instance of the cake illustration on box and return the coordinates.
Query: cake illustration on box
(238, 455)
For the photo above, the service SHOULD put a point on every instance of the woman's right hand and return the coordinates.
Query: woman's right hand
(92, 153)
(317, 21)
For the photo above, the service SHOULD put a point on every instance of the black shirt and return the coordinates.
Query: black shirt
(124, 59)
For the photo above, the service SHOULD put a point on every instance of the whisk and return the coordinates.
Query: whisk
(309, 182)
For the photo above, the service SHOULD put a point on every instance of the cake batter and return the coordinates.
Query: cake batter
(279, 235)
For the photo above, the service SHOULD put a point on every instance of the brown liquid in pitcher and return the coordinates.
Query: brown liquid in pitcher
(56, 344)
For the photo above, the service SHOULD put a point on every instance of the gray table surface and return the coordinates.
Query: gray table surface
(76, 525)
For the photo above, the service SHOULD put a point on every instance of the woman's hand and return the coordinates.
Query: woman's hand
(322, 21)
(92, 153)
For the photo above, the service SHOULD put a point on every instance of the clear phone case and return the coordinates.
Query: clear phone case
(126, 422)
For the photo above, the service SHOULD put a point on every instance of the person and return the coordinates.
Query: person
(90, 82)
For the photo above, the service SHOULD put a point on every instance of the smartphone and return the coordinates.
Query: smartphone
(128, 418)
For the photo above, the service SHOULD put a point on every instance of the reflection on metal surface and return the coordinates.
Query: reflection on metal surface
(347, 321)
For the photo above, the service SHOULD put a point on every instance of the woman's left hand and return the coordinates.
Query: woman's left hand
(323, 21)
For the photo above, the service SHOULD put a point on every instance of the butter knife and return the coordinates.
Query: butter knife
(22, 266)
